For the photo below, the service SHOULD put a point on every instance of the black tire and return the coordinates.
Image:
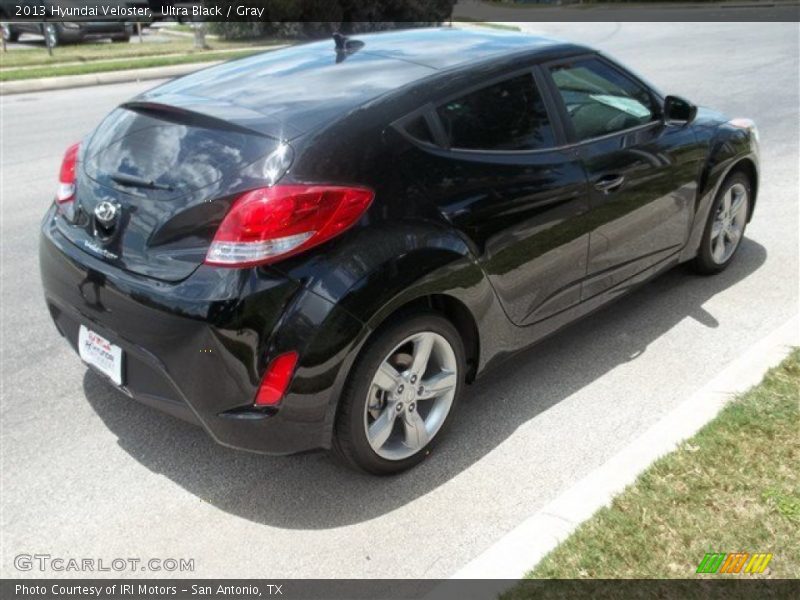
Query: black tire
(704, 263)
(10, 35)
(350, 443)
(120, 38)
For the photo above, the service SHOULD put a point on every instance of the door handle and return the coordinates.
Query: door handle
(609, 183)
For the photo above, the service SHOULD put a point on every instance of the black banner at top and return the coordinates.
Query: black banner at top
(399, 11)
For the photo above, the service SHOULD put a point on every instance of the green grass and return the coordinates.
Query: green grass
(733, 487)
(86, 53)
(134, 63)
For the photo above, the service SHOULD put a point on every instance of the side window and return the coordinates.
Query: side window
(509, 115)
(601, 100)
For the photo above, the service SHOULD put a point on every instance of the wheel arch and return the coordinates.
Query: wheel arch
(451, 308)
(441, 276)
(730, 151)
(748, 168)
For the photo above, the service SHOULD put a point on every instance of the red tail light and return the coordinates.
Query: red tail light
(276, 379)
(272, 223)
(66, 178)
(65, 194)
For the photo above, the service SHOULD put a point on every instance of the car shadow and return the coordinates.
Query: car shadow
(312, 491)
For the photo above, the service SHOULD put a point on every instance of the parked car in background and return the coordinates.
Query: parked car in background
(318, 247)
(70, 32)
(56, 32)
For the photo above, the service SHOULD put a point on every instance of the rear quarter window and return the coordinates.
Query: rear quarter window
(418, 129)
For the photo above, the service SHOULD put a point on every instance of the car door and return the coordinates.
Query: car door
(642, 172)
(497, 171)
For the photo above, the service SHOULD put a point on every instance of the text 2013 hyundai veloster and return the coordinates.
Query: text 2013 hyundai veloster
(318, 247)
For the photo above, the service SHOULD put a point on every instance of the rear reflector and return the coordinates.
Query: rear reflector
(269, 224)
(276, 379)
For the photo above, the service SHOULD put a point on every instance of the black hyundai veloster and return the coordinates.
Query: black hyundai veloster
(318, 247)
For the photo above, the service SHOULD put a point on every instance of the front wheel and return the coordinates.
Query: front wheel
(51, 35)
(727, 221)
(400, 395)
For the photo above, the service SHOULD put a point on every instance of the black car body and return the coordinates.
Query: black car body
(508, 242)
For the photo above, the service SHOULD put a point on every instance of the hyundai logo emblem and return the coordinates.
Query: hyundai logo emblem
(106, 213)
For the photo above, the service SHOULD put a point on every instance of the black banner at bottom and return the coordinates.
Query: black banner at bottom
(396, 589)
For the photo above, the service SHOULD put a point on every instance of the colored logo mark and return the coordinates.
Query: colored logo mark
(736, 562)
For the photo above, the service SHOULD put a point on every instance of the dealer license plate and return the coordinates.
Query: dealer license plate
(101, 354)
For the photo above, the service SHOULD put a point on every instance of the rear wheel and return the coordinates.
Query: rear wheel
(121, 38)
(401, 394)
(726, 224)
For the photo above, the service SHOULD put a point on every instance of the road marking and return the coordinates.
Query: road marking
(524, 546)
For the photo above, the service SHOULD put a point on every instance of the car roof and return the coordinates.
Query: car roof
(445, 47)
(288, 92)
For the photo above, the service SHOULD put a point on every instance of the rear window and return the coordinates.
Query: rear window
(509, 115)
(178, 157)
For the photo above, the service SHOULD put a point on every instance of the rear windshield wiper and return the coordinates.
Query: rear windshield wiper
(139, 182)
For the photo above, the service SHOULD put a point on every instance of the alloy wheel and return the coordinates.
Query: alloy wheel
(410, 395)
(729, 223)
(51, 33)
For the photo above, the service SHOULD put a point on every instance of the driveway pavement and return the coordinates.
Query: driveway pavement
(88, 473)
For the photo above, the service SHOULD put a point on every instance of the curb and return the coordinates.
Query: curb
(8, 88)
(522, 548)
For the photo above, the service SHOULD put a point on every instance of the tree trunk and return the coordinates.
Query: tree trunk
(200, 36)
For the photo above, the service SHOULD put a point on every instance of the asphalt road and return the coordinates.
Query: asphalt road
(88, 473)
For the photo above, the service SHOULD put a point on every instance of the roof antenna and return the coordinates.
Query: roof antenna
(340, 41)
(345, 46)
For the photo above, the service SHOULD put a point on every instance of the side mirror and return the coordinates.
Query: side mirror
(678, 110)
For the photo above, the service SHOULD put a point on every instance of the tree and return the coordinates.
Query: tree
(319, 18)
(200, 33)
(200, 36)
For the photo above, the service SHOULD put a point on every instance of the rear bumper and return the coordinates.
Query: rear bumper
(197, 349)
